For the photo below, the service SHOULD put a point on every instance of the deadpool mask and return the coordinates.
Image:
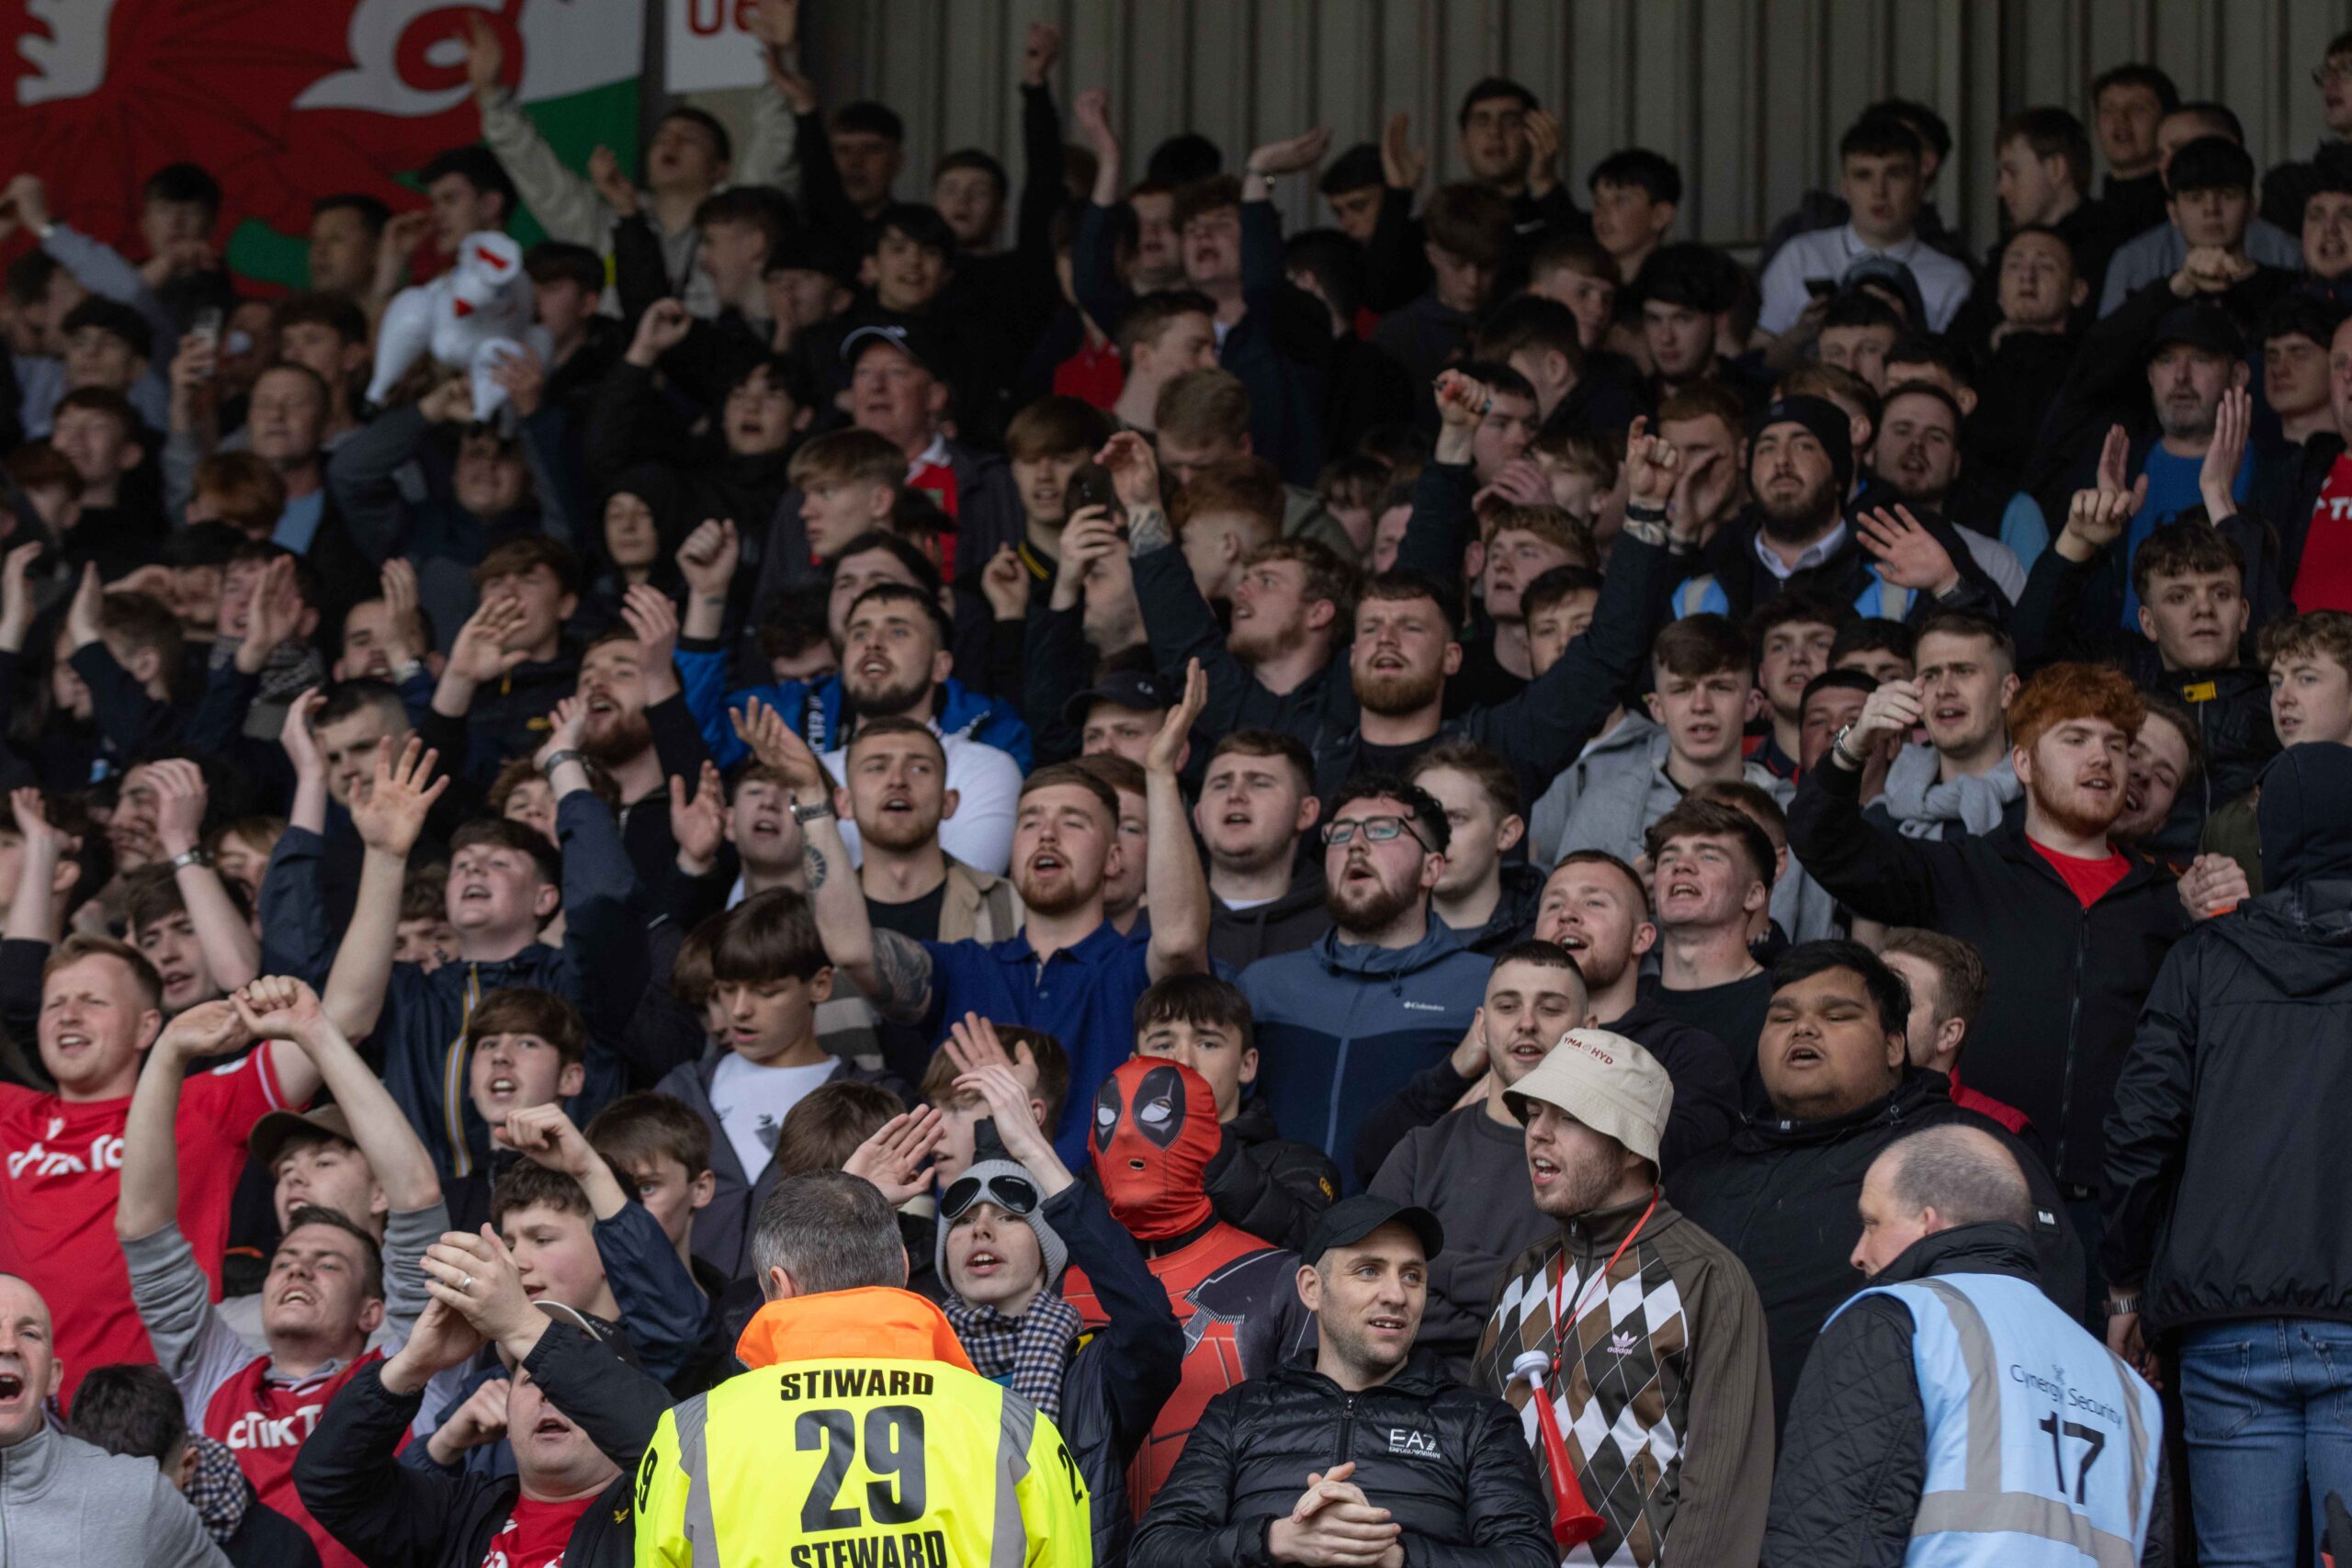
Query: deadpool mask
(1155, 1131)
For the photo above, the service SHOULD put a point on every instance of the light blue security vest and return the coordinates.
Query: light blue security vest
(2042, 1444)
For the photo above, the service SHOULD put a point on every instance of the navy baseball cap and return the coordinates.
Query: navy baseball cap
(1351, 1220)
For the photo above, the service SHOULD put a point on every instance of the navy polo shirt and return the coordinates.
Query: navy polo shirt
(1084, 997)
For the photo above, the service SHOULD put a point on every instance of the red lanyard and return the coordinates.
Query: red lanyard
(1562, 1326)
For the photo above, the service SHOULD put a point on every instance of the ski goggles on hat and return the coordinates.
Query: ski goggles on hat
(1015, 1195)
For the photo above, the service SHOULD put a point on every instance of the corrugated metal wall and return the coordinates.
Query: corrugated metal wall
(1748, 96)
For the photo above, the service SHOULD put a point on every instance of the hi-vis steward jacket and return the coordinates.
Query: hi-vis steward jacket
(861, 1438)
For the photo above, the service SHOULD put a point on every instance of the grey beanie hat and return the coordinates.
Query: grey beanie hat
(1050, 1247)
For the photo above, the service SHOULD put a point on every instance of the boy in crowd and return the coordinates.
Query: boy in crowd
(1486, 896)
(1881, 177)
(1947, 980)
(2309, 660)
(1260, 1182)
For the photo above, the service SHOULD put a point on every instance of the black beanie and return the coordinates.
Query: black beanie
(1828, 424)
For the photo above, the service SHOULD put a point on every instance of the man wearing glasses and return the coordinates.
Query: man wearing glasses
(1388, 992)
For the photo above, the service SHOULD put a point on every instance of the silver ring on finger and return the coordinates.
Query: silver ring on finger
(465, 1284)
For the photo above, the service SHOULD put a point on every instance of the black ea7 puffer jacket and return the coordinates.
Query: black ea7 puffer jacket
(1449, 1463)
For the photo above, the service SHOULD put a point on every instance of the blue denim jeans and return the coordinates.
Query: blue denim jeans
(2267, 1411)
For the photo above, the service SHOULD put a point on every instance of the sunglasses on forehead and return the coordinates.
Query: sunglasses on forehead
(1016, 1195)
(1377, 829)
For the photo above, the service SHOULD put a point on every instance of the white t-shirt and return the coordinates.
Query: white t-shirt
(752, 1102)
(987, 782)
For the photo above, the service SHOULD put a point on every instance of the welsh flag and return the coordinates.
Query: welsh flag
(286, 101)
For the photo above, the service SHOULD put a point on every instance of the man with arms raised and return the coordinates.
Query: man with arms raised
(1424, 1467)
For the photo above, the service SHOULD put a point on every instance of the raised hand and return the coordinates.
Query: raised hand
(392, 813)
(441, 1339)
(546, 1135)
(180, 797)
(1402, 165)
(476, 1277)
(1167, 749)
(1039, 53)
(279, 1007)
(27, 200)
(1091, 534)
(707, 558)
(482, 1419)
(973, 1042)
(43, 839)
(17, 595)
(301, 746)
(2094, 519)
(1908, 555)
(524, 378)
(397, 582)
(208, 1029)
(699, 825)
(1651, 465)
(1005, 583)
(82, 611)
(449, 402)
(2217, 476)
(614, 187)
(662, 328)
(1133, 469)
(1894, 710)
(894, 1158)
(485, 58)
(655, 620)
(1091, 109)
(1016, 1125)
(567, 726)
(776, 23)
(777, 745)
(1301, 151)
(1542, 152)
(1462, 401)
(273, 617)
(479, 654)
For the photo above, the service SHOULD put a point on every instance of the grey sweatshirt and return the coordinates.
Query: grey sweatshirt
(1470, 1172)
(62, 1500)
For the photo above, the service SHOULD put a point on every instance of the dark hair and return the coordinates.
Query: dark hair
(1210, 193)
(1148, 316)
(184, 182)
(1055, 774)
(1202, 1000)
(926, 574)
(1934, 393)
(1797, 606)
(2303, 315)
(523, 552)
(478, 167)
(1487, 87)
(352, 697)
(919, 222)
(511, 835)
(1694, 818)
(723, 145)
(2210, 162)
(751, 206)
(1054, 424)
(1704, 644)
(1574, 253)
(1402, 583)
(829, 1230)
(1890, 995)
(769, 936)
(898, 593)
(1836, 680)
(864, 116)
(1963, 622)
(2051, 132)
(338, 314)
(1872, 634)
(1529, 321)
(1469, 219)
(371, 1256)
(1335, 262)
(130, 1408)
(973, 158)
(526, 1010)
(2178, 548)
(1543, 954)
(528, 1184)
(1878, 135)
(1419, 804)
(826, 1127)
(373, 213)
(1270, 743)
(1553, 584)
(1183, 159)
(1602, 857)
(1485, 766)
(558, 260)
(114, 317)
(1960, 970)
(1354, 169)
(1858, 306)
(2134, 74)
(1654, 172)
(2329, 172)
(1933, 135)
(2165, 706)
(2223, 118)
(1927, 348)
(1692, 277)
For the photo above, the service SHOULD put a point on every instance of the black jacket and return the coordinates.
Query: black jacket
(2230, 1114)
(1449, 1463)
(1782, 1196)
(1266, 1184)
(394, 1516)
(267, 1539)
(1241, 937)
(1854, 1457)
(2067, 981)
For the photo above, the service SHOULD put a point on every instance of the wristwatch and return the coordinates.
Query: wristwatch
(1838, 744)
(187, 858)
(804, 815)
(408, 670)
(2122, 1305)
(558, 758)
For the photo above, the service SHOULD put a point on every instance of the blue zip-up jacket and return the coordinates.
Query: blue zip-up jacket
(1341, 1026)
(601, 968)
(816, 711)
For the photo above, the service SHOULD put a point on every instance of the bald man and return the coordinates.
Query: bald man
(1950, 1404)
(65, 1500)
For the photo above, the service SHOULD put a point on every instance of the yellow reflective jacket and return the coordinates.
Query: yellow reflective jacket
(862, 1437)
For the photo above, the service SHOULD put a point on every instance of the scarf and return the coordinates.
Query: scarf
(293, 668)
(1922, 805)
(1030, 1353)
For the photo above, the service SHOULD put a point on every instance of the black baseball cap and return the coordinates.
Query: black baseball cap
(1141, 690)
(1351, 1220)
(2199, 326)
(912, 339)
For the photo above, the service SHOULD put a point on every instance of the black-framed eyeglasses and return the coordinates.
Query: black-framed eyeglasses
(2330, 74)
(1377, 829)
(1016, 1195)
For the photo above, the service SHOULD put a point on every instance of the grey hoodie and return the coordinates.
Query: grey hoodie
(62, 1500)
(1623, 750)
